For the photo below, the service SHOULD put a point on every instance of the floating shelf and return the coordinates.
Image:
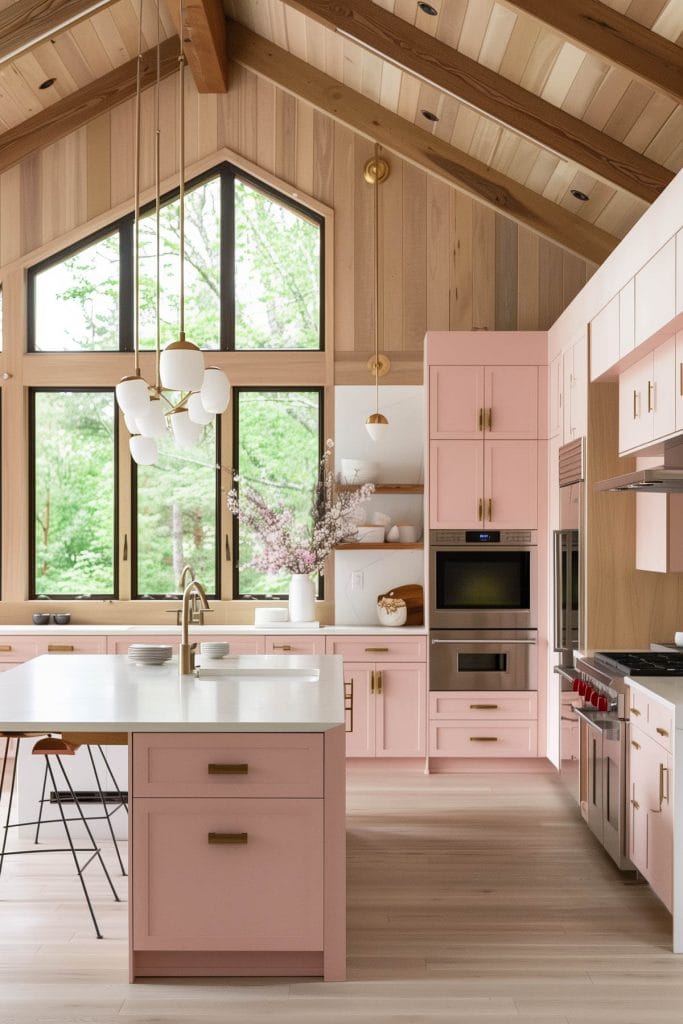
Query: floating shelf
(385, 488)
(384, 545)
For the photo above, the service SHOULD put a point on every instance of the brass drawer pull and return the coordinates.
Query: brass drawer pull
(282, 647)
(372, 681)
(376, 650)
(481, 419)
(348, 703)
(490, 514)
(62, 648)
(662, 732)
(636, 712)
(635, 804)
(228, 838)
(636, 397)
(480, 510)
(662, 795)
(228, 769)
(379, 682)
(634, 743)
(650, 396)
(489, 420)
(483, 707)
(5, 647)
(483, 739)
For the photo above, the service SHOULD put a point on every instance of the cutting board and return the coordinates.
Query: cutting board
(413, 596)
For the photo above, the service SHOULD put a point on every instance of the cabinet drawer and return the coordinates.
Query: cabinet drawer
(477, 739)
(228, 764)
(483, 706)
(261, 888)
(295, 644)
(654, 718)
(240, 644)
(19, 648)
(72, 645)
(379, 648)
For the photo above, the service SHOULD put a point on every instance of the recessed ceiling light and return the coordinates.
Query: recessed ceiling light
(47, 83)
(427, 8)
(579, 195)
(429, 115)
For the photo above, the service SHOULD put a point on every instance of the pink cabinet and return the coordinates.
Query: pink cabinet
(293, 644)
(483, 723)
(492, 483)
(469, 402)
(678, 375)
(388, 706)
(239, 643)
(647, 398)
(651, 818)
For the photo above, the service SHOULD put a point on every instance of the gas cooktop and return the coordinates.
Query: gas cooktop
(642, 663)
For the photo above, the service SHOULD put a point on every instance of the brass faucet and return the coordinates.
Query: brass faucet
(193, 591)
(187, 571)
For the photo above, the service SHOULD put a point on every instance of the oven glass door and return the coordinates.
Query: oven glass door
(482, 586)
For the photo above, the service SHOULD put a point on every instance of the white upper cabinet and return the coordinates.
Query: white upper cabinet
(655, 294)
(604, 334)
(647, 399)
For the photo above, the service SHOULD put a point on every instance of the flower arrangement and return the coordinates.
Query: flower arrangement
(295, 547)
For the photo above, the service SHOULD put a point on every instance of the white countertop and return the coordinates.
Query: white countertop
(198, 631)
(669, 690)
(106, 692)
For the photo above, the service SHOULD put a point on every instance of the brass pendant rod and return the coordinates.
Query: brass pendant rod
(157, 199)
(136, 188)
(181, 160)
(376, 242)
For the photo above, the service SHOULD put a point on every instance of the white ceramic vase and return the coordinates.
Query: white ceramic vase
(301, 598)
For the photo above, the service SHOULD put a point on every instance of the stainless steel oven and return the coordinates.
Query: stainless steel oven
(482, 659)
(482, 579)
(568, 554)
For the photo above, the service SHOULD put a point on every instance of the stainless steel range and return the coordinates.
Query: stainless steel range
(600, 682)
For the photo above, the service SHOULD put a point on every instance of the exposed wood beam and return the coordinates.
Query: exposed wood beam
(421, 54)
(624, 42)
(29, 22)
(205, 42)
(417, 146)
(76, 110)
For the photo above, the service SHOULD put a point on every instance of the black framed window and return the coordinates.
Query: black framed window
(73, 495)
(278, 443)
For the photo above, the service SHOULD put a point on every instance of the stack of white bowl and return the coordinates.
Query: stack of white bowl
(214, 649)
(150, 654)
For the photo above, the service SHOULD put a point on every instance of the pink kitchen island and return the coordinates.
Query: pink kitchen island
(237, 798)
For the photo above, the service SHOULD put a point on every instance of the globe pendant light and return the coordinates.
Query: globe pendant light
(153, 422)
(375, 172)
(143, 450)
(215, 393)
(196, 410)
(186, 433)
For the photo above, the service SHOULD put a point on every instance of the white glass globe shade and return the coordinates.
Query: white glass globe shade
(181, 367)
(153, 423)
(185, 432)
(376, 426)
(215, 390)
(143, 450)
(196, 410)
(132, 394)
(131, 424)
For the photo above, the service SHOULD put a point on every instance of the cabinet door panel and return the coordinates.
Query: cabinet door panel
(265, 894)
(511, 484)
(635, 420)
(360, 741)
(511, 402)
(660, 842)
(655, 302)
(679, 377)
(456, 484)
(663, 392)
(400, 710)
(627, 327)
(456, 400)
(605, 339)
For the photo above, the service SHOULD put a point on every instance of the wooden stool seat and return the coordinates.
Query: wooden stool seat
(54, 745)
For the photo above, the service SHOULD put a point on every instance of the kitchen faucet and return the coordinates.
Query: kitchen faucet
(196, 611)
(194, 591)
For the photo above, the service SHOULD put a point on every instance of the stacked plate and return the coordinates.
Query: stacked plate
(214, 649)
(149, 654)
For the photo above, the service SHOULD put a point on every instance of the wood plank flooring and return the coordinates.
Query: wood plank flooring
(471, 897)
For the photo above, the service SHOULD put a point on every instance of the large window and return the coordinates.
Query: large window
(73, 497)
(278, 442)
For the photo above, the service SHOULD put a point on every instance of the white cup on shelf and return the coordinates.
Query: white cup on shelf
(407, 533)
(678, 638)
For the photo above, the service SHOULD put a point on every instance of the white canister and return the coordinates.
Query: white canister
(392, 611)
(407, 533)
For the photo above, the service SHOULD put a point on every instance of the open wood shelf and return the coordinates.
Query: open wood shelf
(384, 545)
(385, 488)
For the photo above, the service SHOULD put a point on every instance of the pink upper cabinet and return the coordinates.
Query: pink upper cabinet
(475, 402)
(456, 401)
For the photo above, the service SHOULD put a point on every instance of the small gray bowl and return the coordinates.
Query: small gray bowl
(61, 618)
(40, 618)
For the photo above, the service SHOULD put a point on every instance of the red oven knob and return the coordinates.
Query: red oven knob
(582, 687)
(575, 685)
(603, 704)
(595, 697)
(587, 693)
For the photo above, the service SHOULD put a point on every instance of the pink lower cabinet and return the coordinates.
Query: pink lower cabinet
(651, 811)
(386, 716)
(237, 863)
(483, 723)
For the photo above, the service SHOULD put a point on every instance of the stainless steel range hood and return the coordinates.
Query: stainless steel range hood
(664, 479)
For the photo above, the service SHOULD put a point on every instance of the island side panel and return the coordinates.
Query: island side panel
(334, 922)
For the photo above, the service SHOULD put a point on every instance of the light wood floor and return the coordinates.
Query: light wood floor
(471, 898)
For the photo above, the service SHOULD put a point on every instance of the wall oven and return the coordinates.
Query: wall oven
(482, 610)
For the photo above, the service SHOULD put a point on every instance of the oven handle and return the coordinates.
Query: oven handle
(498, 643)
(599, 726)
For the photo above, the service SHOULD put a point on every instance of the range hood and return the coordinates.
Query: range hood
(664, 479)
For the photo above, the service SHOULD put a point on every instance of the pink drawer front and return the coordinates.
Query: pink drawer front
(295, 644)
(240, 644)
(481, 739)
(228, 874)
(72, 645)
(482, 706)
(228, 764)
(379, 648)
(660, 721)
(19, 648)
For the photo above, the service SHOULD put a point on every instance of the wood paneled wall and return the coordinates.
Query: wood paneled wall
(446, 261)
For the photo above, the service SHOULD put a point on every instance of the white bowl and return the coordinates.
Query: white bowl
(358, 471)
(678, 638)
(370, 535)
(214, 649)
(397, 617)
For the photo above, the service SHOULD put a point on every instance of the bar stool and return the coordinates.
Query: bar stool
(53, 748)
(93, 741)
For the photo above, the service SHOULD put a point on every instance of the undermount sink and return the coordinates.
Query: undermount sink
(214, 668)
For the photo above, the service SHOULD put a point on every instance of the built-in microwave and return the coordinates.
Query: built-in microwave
(482, 579)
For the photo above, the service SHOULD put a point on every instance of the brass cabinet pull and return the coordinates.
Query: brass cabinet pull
(681, 381)
(60, 647)
(636, 804)
(379, 682)
(228, 838)
(228, 769)
(481, 419)
(490, 509)
(376, 650)
(635, 744)
(282, 647)
(372, 681)
(635, 404)
(650, 396)
(636, 712)
(489, 420)
(483, 707)
(480, 510)
(348, 702)
(5, 647)
(483, 739)
(662, 732)
(663, 770)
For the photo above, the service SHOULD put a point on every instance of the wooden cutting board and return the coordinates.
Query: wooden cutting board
(413, 596)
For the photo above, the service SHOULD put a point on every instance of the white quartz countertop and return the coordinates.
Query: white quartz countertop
(198, 631)
(669, 690)
(106, 692)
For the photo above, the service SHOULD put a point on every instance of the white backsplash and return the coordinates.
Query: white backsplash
(360, 576)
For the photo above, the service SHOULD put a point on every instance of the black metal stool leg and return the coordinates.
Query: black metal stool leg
(5, 830)
(105, 811)
(41, 804)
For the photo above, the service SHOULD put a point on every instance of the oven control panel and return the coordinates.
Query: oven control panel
(458, 538)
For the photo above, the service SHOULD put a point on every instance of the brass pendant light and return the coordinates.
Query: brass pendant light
(375, 172)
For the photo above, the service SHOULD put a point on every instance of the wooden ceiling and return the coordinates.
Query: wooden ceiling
(534, 98)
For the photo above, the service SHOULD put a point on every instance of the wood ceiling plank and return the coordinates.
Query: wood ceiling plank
(459, 75)
(29, 22)
(205, 42)
(81, 107)
(417, 146)
(624, 42)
